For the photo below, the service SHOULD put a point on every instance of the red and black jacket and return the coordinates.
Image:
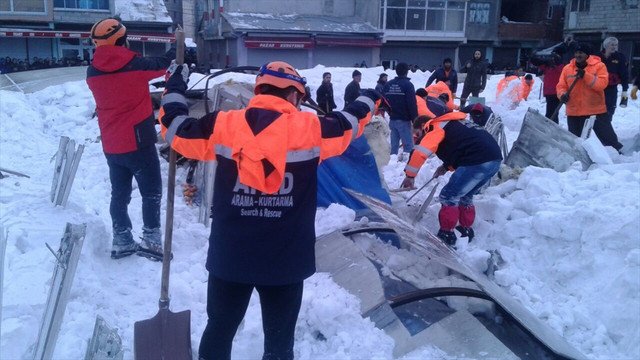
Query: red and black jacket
(119, 80)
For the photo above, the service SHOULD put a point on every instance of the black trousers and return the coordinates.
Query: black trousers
(227, 303)
(466, 90)
(602, 127)
(611, 99)
(552, 104)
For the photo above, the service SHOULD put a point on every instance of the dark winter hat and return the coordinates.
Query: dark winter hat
(584, 47)
(355, 73)
(528, 77)
(421, 92)
(325, 74)
(447, 60)
(402, 69)
(477, 107)
(436, 106)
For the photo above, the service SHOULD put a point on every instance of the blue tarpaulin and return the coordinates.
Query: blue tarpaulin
(355, 169)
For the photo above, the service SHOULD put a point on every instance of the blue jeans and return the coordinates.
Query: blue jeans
(467, 181)
(143, 164)
(401, 129)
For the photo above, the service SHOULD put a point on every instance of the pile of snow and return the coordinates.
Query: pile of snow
(569, 240)
(142, 10)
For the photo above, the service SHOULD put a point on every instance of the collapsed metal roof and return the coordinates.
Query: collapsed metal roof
(298, 23)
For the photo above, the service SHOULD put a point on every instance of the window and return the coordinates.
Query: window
(82, 4)
(23, 6)
(580, 5)
(479, 13)
(421, 15)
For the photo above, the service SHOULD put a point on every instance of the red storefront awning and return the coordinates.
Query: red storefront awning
(279, 42)
(160, 38)
(357, 42)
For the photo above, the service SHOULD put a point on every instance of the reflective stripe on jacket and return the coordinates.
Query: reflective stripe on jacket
(265, 190)
(587, 97)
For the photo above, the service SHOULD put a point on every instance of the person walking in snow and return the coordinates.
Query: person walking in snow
(587, 97)
(551, 70)
(401, 96)
(262, 233)
(119, 80)
(324, 94)
(476, 79)
(465, 148)
(352, 91)
(616, 64)
(445, 74)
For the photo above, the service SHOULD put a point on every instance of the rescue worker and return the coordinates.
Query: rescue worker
(465, 148)
(352, 91)
(119, 80)
(551, 70)
(441, 90)
(587, 97)
(324, 94)
(476, 79)
(262, 233)
(401, 96)
(478, 113)
(616, 64)
(525, 90)
(445, 74)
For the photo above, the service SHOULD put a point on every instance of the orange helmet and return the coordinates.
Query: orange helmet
(281, 75)
(108, 32)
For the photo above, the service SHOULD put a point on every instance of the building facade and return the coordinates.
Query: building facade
(60, 28)
(595, 20)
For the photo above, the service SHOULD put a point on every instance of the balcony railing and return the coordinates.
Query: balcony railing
(518, 30)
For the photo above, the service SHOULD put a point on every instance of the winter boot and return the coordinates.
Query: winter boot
(467, 217)
(449, 237)
(123, 244)
(466, 232)
(448, 217)
(151, 244)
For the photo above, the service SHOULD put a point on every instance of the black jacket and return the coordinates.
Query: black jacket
(324, 97)
(351, 92)
(476, 74)
(617, 69)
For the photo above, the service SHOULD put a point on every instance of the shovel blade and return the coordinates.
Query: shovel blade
(165, 336)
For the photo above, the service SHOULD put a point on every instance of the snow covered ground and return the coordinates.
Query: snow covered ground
(571, 242)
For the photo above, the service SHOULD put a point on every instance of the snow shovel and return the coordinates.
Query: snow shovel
(422, 187)
(166, 335)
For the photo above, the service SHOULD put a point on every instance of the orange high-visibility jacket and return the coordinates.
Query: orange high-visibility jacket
(525, 90)
(265, 191)
(587, 97)
(456, 141)
(423, 110)
(439, 88)
(502, 84)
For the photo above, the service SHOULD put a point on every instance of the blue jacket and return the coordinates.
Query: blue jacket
(441, 75)
(480, 120)
(401, 95)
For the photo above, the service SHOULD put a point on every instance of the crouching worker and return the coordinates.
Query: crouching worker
(465, 148)
(262, 233)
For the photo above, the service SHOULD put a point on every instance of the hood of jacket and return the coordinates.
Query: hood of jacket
(109, 58)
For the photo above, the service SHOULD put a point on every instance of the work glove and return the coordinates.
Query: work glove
(441, 170)
(564, 98)
(408, 183)
(634, 93)
(580, 73)
(179, 70)
(623, 99)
